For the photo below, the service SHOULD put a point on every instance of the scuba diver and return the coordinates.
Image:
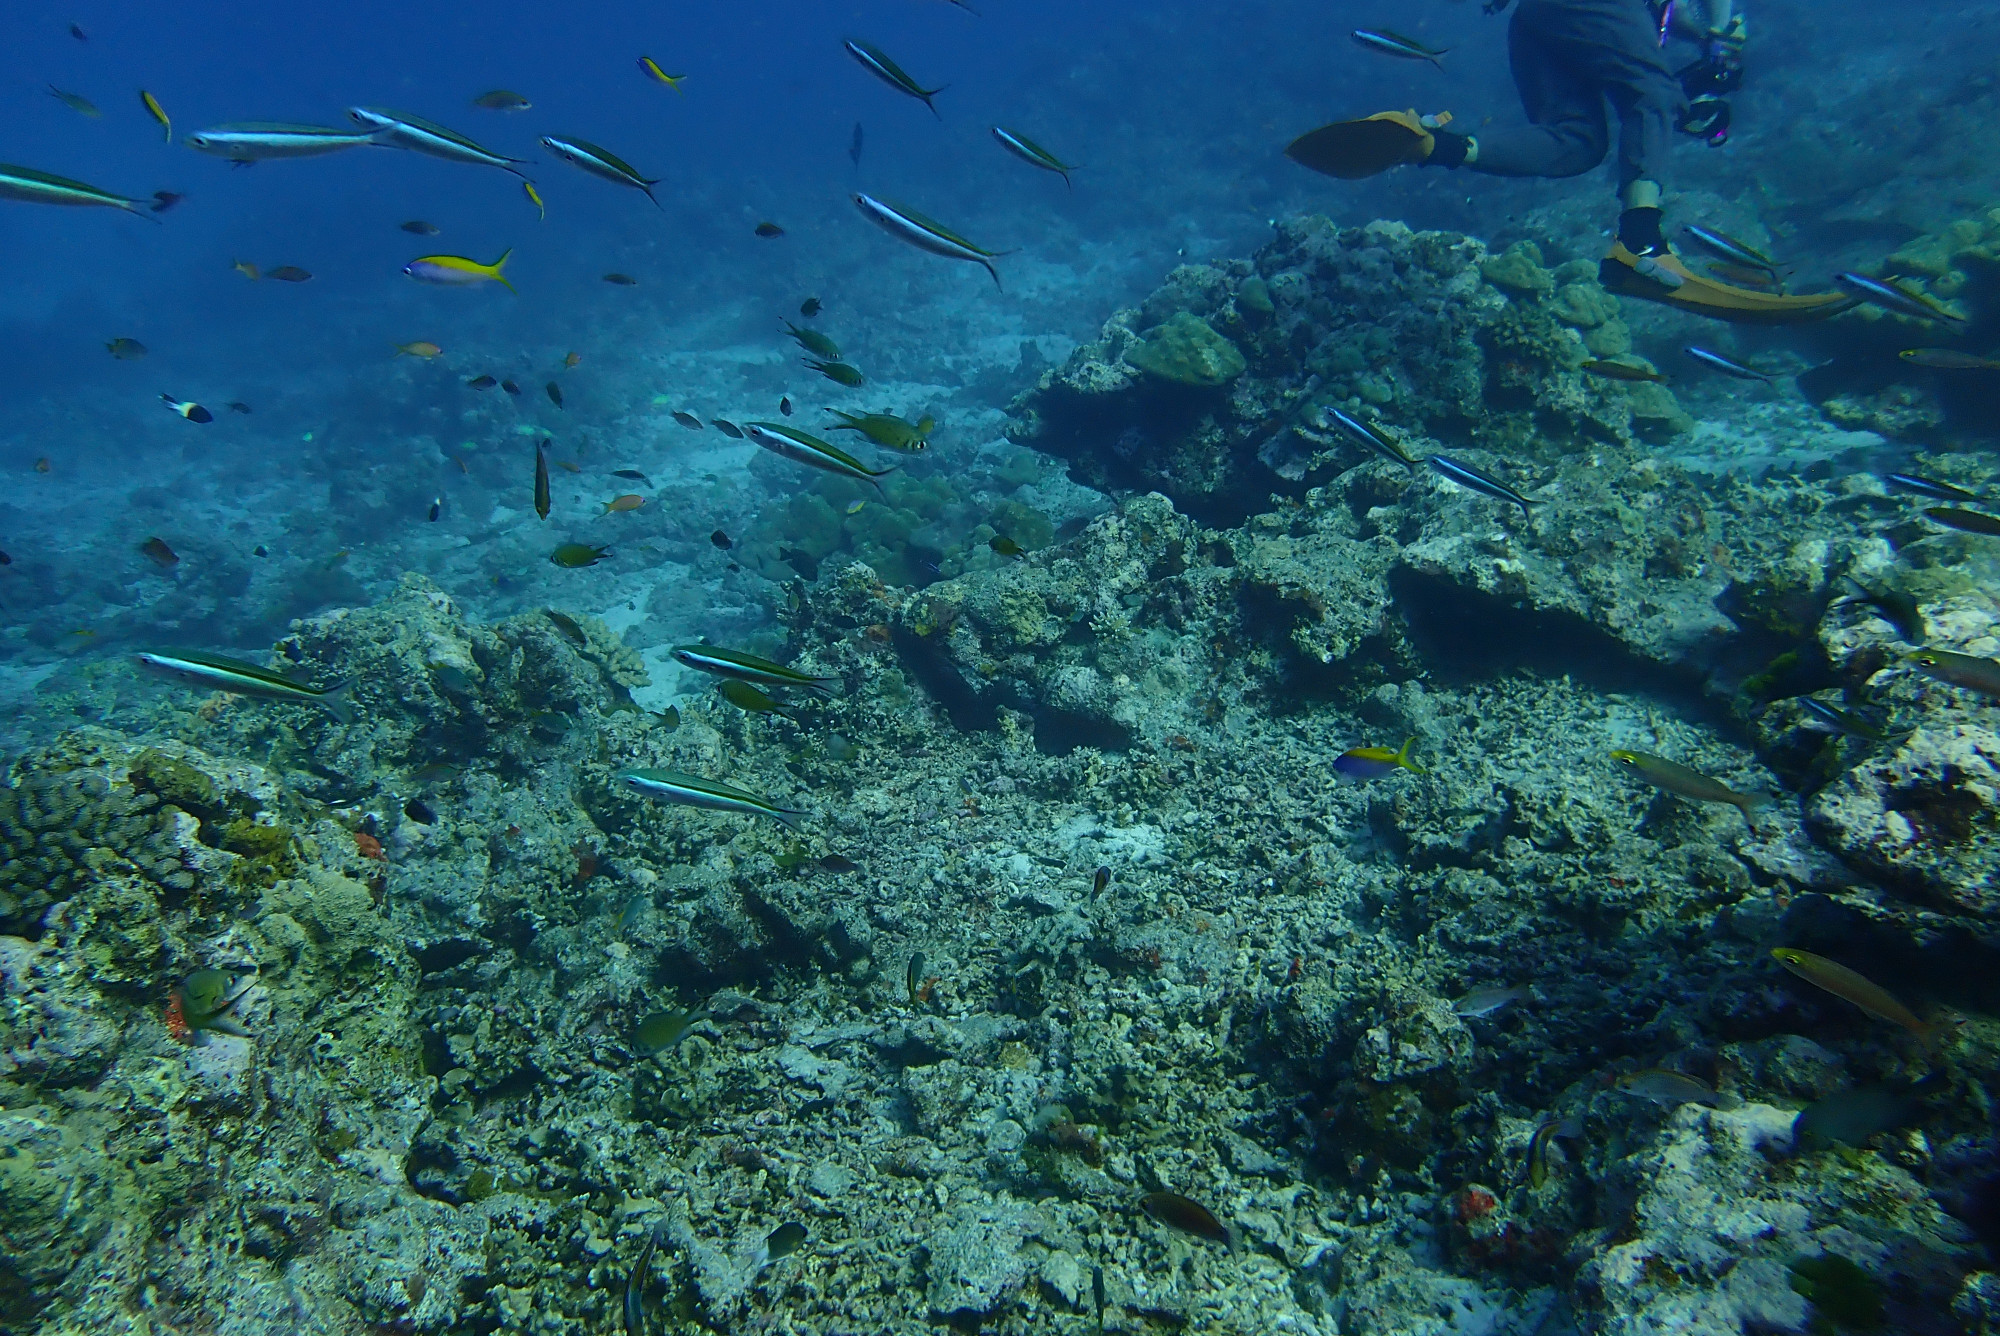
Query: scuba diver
(1570, 60)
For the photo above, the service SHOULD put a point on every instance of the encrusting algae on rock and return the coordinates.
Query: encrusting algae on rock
(1072, 903)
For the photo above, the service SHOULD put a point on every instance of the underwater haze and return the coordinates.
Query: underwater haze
(926, 666)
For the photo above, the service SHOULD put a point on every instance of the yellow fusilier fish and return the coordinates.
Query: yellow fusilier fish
(159, 113)
(457, 271)
(1664, 774)
(653, 71)
(1841, 981)
(534, 197)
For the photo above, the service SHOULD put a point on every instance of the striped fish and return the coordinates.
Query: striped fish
(1395, 44)
(1725, 247)
(1726, 366)
(601, 162)
(926, 234)
(748, 668)
(889, 72)
(220, 673)
(33, 187)
(396, 130)
(802, 447)
(1895, 297)
(1372, 436)
(1467, 476)
(259, 141)
(693, 791)
(1027, 150)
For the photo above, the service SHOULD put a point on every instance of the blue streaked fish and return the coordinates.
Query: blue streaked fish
(926, 234)
(1372, 436)
(603, 163)
(1028, 151)
(1727, 366)
(1467, 476)
(261, 141)
(1395, 44)
(1930, 487)
(1846, 721)
(394, 129)
(889, 72)
(1891, 296)
(220, 673)
(734, 663)
(693, 791)
(802, 447)
(1725, 247)
(32, 187)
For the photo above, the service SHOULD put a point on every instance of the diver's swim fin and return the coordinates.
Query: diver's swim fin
(1664, 279)
(1351, 150)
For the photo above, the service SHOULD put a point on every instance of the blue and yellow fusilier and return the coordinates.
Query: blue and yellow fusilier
(457, 271)
(693, 791)
(654, 72)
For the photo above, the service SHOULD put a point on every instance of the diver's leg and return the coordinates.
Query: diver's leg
(1567, 134)
(1616, 47)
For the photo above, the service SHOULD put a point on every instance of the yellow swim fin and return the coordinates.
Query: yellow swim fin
(1351, 150)
(1664, 279)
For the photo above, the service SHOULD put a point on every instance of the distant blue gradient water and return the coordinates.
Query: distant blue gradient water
(1177, 112)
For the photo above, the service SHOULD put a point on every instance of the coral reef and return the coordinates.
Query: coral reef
(1426, 331)
(1081, 908)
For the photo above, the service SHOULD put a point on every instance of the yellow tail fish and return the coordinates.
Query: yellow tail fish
(653, 70)
(159, 113)
(457, 271)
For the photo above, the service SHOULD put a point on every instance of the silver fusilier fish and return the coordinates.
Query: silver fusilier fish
(603, 163)
(1893, 297)
(802, 447)
(262, 141)
(32, 187)
(394, 129)
(1725, 365)
(734, 663)
(1027, 150)
(889, 72)
(1395, 44)
(926, 234)
(693, 791)
(220, 673)
(1467, 476)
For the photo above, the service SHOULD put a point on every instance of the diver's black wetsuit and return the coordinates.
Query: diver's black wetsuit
(1569, 58)
(1572, 57)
